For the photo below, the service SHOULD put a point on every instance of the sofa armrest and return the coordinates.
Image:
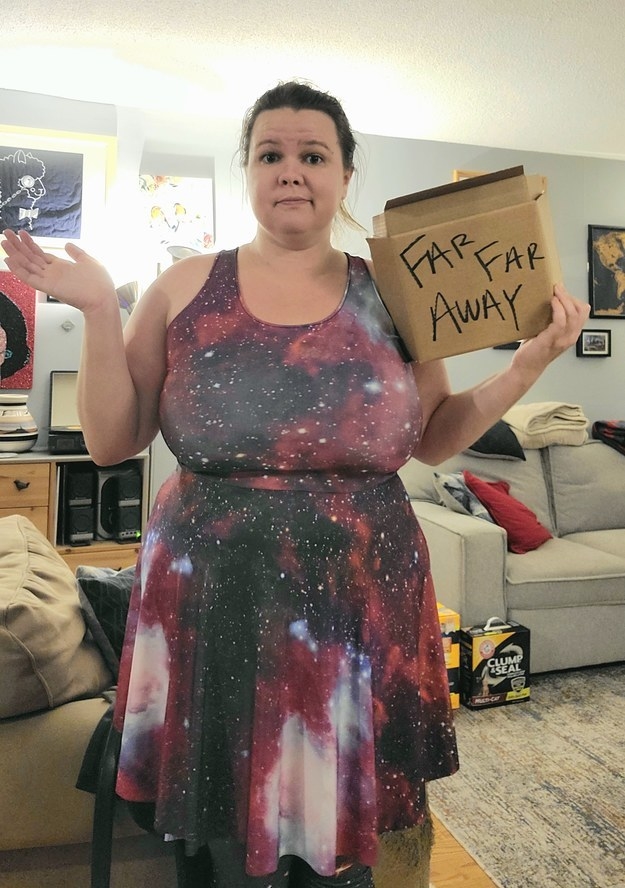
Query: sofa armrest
(468, 558)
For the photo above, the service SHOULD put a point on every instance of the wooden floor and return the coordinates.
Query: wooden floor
(453, 867)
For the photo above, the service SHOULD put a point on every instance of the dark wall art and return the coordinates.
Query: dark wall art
(17, 332)
(594, 344)
(41, 191)
(606, 271)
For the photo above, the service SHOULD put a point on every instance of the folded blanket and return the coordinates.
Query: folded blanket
(548, 422)
(611, 432)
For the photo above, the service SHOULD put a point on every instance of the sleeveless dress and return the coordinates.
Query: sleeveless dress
(282, 680)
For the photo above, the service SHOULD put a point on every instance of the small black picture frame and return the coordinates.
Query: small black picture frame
(606, 271)
(594, 344)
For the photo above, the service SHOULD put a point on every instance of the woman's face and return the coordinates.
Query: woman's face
(295, 175)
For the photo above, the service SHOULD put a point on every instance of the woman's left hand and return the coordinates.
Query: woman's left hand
(568, 318)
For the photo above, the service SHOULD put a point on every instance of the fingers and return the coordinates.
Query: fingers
(570, 304)
(23, 253)
(568, 316)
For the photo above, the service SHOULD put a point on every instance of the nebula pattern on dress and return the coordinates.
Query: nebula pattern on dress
(282, 679)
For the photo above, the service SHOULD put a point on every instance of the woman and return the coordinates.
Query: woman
(282, 694)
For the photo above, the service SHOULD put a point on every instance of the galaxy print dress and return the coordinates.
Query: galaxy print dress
(282, 680)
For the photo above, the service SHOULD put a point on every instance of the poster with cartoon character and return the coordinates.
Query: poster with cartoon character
(41, 192)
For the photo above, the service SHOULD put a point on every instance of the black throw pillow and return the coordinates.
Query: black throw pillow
(498, 442)
(104, 597)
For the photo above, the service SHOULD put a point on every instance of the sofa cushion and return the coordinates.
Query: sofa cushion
(524, 530)
(588, 487)
(45, 657)
(610, 541)
(526, 479)
(564, 574)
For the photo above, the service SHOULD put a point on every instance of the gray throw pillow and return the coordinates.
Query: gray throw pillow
(455, 495)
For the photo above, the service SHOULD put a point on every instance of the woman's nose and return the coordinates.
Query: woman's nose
(290, 175)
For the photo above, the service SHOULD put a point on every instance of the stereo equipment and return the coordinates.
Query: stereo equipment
(79, 485)
(77, 504)
(79, 525)
(66, 442)
(118, 503)
(65, 435)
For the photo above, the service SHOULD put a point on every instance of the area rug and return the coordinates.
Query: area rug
(539, 799)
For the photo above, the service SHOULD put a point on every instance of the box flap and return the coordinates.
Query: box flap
(455, 200)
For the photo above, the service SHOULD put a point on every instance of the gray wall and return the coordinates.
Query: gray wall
(582, 191)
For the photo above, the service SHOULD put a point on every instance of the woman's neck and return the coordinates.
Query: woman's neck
(316, 257)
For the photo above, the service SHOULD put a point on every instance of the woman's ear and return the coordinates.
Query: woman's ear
(347, 177)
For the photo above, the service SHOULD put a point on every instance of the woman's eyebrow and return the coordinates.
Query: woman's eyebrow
(305, 143)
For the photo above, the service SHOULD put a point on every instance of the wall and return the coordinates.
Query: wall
(582, 191)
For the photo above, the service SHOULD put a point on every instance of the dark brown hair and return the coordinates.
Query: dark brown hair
(300, 97)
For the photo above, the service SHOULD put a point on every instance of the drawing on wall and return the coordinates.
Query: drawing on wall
(54, 185)
(606, 264)
(178, 212)
(17, 332)
(41, 191)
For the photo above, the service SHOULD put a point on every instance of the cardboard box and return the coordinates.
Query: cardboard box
(494, 664)
(467, 265)
(450, 624)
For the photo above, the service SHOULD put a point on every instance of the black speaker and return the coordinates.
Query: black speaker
(118, 504)
(79, 486)
(76, 524)
(128, 522)
(79, 524)
(129, 487)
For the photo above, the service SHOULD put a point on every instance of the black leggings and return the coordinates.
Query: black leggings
(222, 865)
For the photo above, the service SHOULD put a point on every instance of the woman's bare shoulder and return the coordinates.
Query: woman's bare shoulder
(182, 281)
(370, 267)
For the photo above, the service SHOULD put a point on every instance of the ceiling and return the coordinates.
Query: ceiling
(542, 75)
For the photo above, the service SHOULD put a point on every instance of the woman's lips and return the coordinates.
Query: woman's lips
(292, 201)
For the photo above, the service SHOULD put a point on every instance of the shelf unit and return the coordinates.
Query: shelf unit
(29, 486)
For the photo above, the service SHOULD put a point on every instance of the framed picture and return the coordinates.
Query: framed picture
(17, 332)
(178, 216)
(53, 184)
(594, 344)
(606, 271)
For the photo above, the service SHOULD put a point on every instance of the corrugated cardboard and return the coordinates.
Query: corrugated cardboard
(467, 265)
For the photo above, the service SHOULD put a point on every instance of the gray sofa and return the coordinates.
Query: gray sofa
(570, 591)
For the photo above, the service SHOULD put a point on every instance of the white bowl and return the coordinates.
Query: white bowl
(17, 443)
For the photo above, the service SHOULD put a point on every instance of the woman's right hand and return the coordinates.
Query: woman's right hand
(79, 281)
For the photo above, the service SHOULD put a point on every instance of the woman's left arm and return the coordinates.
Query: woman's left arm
(453, 421)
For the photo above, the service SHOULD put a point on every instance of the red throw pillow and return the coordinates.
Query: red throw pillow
(525, 532)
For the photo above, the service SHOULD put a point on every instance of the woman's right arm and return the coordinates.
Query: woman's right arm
(122, 371)
(121, 376)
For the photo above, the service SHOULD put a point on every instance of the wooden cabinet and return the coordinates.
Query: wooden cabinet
(25, 490)
(32, 484)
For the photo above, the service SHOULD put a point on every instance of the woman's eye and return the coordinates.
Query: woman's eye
(269, 157)
(314, 159)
